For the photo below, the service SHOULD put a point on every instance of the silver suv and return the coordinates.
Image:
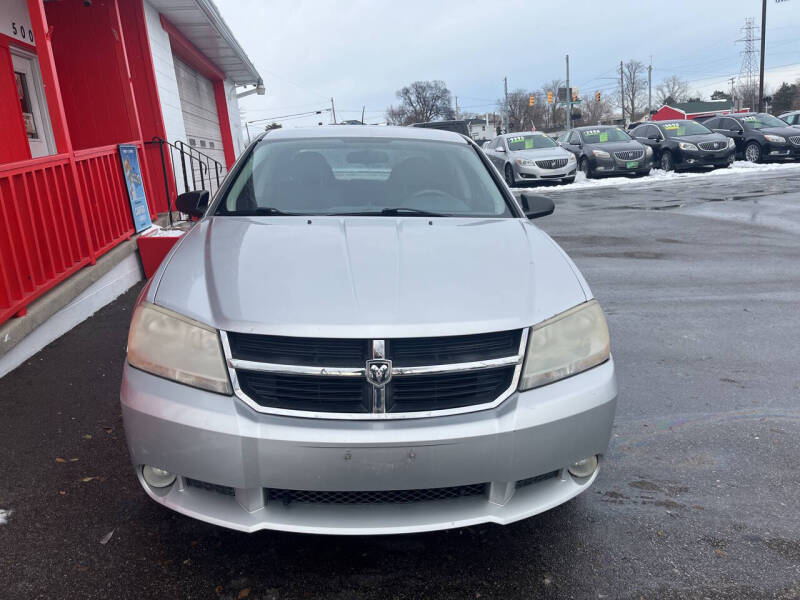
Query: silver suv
(365, 334)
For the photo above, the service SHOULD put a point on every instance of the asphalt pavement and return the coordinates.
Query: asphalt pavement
(698, 497)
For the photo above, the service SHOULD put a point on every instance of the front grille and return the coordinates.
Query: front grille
(428, 374)
(629, 154)
(555, 163)
(408, 352)
(284, 350)
(795, 139)
(375, 497)
(713, 145)
(447, 390)
(306, 392)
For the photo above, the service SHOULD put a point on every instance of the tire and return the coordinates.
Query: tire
(667, 162)
(752, 152)
(584, 166)
(509, 175)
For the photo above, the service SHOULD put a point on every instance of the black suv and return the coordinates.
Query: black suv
(685, 144)
(758, 136)
(606, 150)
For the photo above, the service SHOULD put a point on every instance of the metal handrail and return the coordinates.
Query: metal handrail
(199, 164)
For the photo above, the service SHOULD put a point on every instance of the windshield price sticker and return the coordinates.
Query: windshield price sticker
(513, 140)
(604, 136)
(591, 132)
(749, 119)
(671, 126)
(528, 143)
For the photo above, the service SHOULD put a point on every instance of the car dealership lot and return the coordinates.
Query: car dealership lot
(699, 275)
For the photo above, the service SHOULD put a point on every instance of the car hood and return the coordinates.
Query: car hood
(367, 277)
(617, 146)
(542, 153)
(701, 137)
(784, 131)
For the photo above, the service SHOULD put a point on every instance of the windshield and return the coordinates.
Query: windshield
(347, 176)
(760, 121)
(681, 128)
(529, 142)
(603, 135)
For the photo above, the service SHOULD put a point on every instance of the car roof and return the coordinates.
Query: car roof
(365, 131)
(584, 127)
(669, 121)
(516, 133)
(790, 112)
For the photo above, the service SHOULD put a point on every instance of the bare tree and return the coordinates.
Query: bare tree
(554, 115)
(521, 115)
(593, 112)
(673, 89)
(420, 102)
(634, 88)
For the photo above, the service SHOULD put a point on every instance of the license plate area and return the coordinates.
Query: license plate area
(632, 164)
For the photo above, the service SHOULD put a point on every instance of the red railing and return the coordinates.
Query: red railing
(57, 214)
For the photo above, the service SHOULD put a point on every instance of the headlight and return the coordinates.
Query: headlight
(566, 344)
(601, 154)
(648, 151)
(686, 146)
(524, 162)
(731, 143)
(571, 158)
(170, 345)
(775, 138)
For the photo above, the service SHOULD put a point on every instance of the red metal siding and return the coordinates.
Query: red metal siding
(85, 44)
(666, 113)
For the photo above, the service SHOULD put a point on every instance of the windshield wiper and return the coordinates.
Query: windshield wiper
(392, 212)
(265, 211)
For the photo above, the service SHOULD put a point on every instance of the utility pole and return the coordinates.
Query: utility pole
(650, 89)
(621, 93)
(333, 111)
(505, 92)
(569, 99)
(456, 108)
(761, 71)
(363, 108)
(733, 99)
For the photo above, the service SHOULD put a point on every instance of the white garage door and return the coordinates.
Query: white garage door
(200, 117)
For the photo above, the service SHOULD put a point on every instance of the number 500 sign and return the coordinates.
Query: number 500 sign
(15, 21)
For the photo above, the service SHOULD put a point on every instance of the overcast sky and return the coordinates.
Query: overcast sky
(360, 52)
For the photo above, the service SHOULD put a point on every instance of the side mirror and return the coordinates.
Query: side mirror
(193, 203)
(536, 206)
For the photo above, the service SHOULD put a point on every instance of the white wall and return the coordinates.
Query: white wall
(239, 137)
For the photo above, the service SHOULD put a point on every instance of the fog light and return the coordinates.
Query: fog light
(157, 478)
(584, 467)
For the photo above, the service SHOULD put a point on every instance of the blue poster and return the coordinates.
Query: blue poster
(133, 181)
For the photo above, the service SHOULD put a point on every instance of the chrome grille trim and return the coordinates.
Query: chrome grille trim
(629, 154)
(232, 364)
(554, 163)
(795, 139)
(712, 145)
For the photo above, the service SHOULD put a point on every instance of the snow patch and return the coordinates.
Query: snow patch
(658, 176)
(156, 231)
(5, 515)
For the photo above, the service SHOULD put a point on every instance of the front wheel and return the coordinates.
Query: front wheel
(585, 168)
(666, 161)
(510, 176)
(752, 152)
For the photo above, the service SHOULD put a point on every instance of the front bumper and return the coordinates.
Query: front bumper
(704, 158)
(532, 172)
(240, 455)
(616, 166)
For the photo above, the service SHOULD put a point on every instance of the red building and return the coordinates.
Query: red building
(79, 77)
(694, 110)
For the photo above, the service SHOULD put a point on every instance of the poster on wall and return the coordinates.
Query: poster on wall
(133, 182)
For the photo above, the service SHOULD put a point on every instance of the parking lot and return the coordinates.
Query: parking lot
(700, 280)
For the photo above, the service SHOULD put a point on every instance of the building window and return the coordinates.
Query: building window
(192, 142)
(202, 143)
(211, 144)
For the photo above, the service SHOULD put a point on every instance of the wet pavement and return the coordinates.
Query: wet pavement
(699, 494)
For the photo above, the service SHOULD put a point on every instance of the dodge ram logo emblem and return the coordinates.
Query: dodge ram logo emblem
(379, 372)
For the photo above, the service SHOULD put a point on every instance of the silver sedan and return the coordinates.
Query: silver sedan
(531, 156)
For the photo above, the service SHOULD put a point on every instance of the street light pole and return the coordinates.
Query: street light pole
(569, 99)
(761, 71)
